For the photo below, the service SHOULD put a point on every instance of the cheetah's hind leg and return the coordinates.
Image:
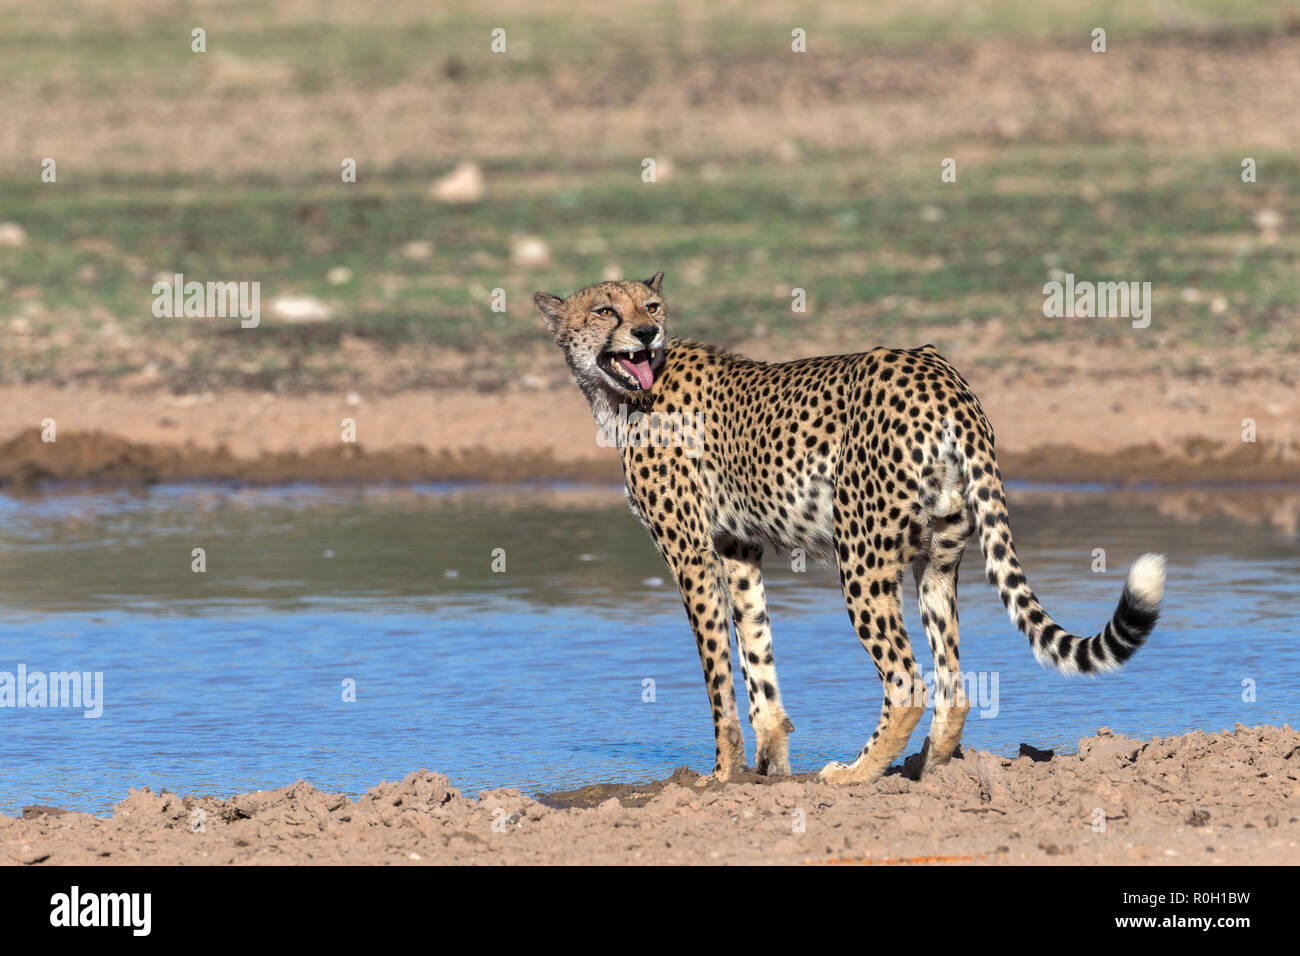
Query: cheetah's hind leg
(871, 594)
(936, 591)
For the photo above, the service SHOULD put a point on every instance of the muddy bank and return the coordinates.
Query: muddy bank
(104, 459)
(1044, 434)
(1200, 799)
(109, 460)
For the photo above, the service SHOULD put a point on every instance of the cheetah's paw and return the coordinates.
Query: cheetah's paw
(836, 772)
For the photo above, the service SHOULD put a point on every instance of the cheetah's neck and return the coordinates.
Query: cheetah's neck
(605, 406)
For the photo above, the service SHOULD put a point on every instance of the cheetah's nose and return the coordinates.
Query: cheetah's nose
(646, 334)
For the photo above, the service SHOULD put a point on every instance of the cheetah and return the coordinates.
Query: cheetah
(881, 459)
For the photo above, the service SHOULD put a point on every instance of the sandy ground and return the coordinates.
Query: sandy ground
(1196, 799)
(1100, 417)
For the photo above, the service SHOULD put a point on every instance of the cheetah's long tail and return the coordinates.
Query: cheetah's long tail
(1128, 628)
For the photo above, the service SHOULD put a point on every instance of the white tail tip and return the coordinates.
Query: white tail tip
(1146, 580)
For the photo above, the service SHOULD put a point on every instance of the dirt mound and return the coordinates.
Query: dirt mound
(1197, 798)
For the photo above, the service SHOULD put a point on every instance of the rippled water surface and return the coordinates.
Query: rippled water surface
(535, 677)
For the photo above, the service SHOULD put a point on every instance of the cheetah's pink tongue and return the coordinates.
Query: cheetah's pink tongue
(641, 369)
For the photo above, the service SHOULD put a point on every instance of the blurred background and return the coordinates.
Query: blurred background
(479, 170)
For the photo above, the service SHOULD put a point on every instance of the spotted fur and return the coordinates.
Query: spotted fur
(883, 459)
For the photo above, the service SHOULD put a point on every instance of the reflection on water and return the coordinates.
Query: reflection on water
(234, 678)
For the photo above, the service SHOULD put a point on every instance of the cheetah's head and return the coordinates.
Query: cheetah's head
(612, 333)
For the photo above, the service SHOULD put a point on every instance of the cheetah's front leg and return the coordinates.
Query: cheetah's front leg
(700, 579)
(669, 490)
(743, 565)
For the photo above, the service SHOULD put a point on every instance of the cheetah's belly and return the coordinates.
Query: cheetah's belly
(800, 513)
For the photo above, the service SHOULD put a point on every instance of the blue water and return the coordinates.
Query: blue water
(232, 679)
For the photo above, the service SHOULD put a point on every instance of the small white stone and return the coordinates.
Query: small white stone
(1268, 220)
(299, 308)
(419, 250)
(12, 234)
(462, 185)
(530, 252)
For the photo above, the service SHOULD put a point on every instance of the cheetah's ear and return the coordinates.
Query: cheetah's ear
(549, 306)
(655, 282)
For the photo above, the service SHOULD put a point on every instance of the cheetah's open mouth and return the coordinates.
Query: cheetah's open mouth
(634, 370)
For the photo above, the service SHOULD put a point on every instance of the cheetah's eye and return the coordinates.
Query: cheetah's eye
(606, 311)
(652, 307)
